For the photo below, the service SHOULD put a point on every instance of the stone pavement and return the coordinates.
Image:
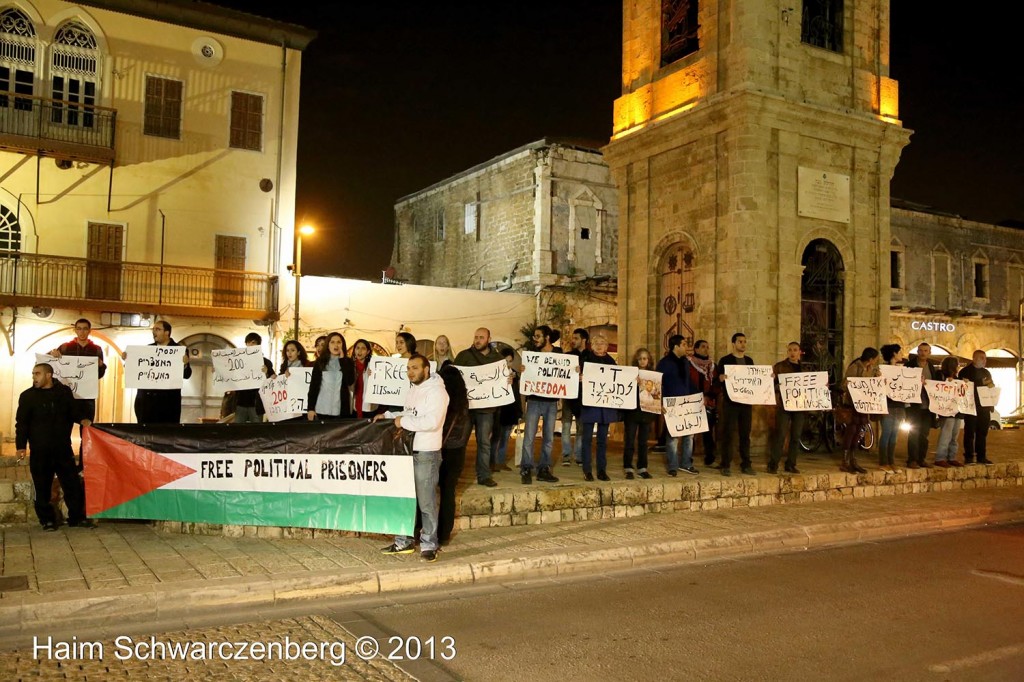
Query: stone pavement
(76, 579)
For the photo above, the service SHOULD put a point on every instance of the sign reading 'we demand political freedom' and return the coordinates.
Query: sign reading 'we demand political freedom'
(550, 375)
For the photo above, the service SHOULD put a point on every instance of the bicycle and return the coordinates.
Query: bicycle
(824, 428)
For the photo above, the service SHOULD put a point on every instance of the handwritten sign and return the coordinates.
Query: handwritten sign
(611, 386)
(947, 398)
(80, 373)
(284, 397)
(238, 369)
(805, 391)
(487, 385)
(388, 380)
(550, 375)
(966, 403)
(154, 367)
(868, 394)
(902, 384)
(750, 384)
(685, 415)
(988, 396)
(650, 391)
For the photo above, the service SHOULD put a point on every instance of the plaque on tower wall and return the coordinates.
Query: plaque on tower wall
(822, 195)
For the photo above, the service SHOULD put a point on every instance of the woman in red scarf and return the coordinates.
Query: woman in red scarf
(361, 354)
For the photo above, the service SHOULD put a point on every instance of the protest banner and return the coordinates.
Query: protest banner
(868, 394)
(966, 403)
(238, 369)
(612, 386)
(650, 391)
(80, 373)
(902, 384)
(750, 384)
(988, 396)
(685, 415)
(284, 396)
(946, 398)
(488, 385)
(388, 380)
(805, 391)
(292, 475)
(154, 367)
(550, 375)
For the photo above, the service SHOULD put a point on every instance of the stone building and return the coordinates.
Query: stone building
(541, 219)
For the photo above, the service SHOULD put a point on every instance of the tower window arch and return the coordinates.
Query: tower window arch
(74, 75)
(18, 43)
(10, 230)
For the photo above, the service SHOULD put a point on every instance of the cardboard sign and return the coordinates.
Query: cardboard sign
(966, 403)
(868, 394)
(805, 391)
(488, 385)
(154, 367)
(238, 369)
(750, 384)
(550, 375)
(902, 384)
(685, 415)
(612, 386)
(650, 391)
(80, 373)
(388, 380)
(988, 397)
(284, 397)
(947, 398)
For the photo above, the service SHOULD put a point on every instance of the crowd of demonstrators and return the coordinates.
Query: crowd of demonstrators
(540, 408)
(736, 417)
(571, 450)
(507, 418)
(333, 373)
(976, 426)
(787, 423)
(479, 354)
(637, 425)
(676, 381)
(892, 354)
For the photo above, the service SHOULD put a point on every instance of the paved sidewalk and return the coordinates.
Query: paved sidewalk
(99, 578)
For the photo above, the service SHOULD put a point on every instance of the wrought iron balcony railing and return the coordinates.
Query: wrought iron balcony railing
(60, 127)
(56, 281)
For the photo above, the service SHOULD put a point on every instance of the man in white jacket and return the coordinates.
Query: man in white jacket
(426, 403)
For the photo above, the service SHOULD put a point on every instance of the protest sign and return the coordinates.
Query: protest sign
(749, 384)
(945, 398)
(238, 369)
(966, 403)
(612, 386)
(650, 391)
(284, 396)
(80, 373)
(805, 391)
(685, 415)
(154, 367)
(988, 396)
(550, 375)
(388, 380)
(868, 394)
(488, 385)
(902, 384)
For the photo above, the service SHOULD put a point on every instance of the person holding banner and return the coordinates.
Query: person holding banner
(976, 427)
(918, 414)
(864, 366)
(507, 418)
(539, 408)
(892, 354)
(293, 355)
(599, 417)
(333, 374)
(247, 404)
(362, 353)
(477, 355)
(161, 405)
(949, 427)
(737, 418)
(637, 425)
(786, 422)
(704, 368)
(571, 406)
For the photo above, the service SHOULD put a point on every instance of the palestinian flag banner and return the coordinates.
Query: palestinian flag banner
(346, 475)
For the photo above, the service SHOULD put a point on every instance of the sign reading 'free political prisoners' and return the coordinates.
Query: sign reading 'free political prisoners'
(285, 396)
(750, 384)
(238, 369)
(550, 375)
(805, 391)
(868, 394)
(389, 380)
(154, 367)
(78, 372)
(488, 385)
(612, 386)
(685, 415)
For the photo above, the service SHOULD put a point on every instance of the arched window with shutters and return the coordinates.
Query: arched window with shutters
(10, 232)
(18, 48)
(74, 75)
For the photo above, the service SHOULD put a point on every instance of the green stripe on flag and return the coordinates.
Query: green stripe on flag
(369, 514)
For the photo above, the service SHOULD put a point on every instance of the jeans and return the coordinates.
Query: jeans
(567, 443)
(426, 467)
(890, 432)
(499, 444)
(672, 452)
(602, 446)
(736, 419)
(537, 410)
(791, 423)
(949, 428)
(637, 431)
(976, 435)
(483, 424)
(247, 415)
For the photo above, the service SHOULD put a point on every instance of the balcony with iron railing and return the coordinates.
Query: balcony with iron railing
(37, 280)
(53, 127)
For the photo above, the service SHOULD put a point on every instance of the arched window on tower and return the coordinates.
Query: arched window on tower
(17, 59)
(10, 233)
(74, 74)
(822, 24)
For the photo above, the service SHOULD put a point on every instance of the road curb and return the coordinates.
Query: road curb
(24, 615)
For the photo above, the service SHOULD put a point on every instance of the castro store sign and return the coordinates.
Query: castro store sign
(921, 326)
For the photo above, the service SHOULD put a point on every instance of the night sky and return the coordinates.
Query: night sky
(397, 96)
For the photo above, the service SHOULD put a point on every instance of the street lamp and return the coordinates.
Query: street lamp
(303, 231)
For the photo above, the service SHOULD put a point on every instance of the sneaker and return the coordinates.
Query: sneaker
(395, 549)
(986, 461)
(602, 475)
(526, 477)
(50, 527)
(428, 555)
(672, 472)
(566, 462)
(968, 460)
(748, 470)
(726, 472)
(546, 476)
(690, 470)
(645, 475)
(84, 523)
(629, 475)
(588, 476)
(489, 482)
(791, 469)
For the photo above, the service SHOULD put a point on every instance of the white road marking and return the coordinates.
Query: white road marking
(977, 660)
(1011, 578)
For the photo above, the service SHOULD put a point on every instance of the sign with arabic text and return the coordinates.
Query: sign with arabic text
(488, 385)
(902, 384)
(685, 415)
(80, 373)
(238, 369)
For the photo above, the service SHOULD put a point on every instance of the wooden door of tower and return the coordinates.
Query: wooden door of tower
(821, 310)
(677, 299)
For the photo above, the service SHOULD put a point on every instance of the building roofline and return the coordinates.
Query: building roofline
(214, 18)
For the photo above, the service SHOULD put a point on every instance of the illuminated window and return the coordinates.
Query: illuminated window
(822, 24)
(246, 121)
(678, 29)
(17, 57)
(10, 230)
(163, 107)
(74, 71)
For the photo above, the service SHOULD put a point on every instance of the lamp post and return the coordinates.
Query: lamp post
(303, 231)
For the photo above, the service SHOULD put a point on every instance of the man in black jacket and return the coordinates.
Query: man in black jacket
(976, 427)
(46, 414)
(161, 406)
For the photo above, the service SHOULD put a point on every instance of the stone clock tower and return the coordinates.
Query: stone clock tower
(753, 146)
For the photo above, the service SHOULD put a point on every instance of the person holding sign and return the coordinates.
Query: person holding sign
(362, 353)
(976, 427)
(736, 417)
(293, 355)
(918, 414)
(571, 406)
(599, 417)
(333, 373)
(949, 427)
(161, 405)
(704, 369)
(246, 401)
(539, 408)
(892, 354)
(786, 422)
(637, 424)
(864, 366)
(477, 355)
(676, 381)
